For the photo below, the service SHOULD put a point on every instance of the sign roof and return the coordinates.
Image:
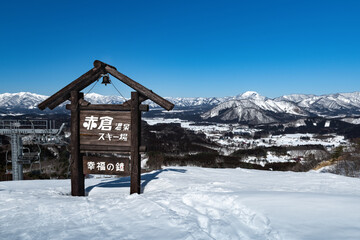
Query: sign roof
(93, 75)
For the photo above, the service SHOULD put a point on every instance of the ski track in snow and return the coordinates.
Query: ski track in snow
(208, 216)
(186, 203)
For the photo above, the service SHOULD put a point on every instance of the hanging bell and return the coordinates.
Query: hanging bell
(106, 79)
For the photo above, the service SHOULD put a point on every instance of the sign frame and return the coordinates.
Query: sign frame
(72, 92)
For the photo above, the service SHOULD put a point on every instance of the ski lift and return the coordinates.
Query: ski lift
(27, 156)
(38, 132)
(6, 162)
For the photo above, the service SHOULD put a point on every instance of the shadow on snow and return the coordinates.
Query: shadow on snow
(125, 181)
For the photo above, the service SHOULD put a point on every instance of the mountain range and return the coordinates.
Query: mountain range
(249, 107)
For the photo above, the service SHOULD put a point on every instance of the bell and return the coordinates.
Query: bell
(106, 79)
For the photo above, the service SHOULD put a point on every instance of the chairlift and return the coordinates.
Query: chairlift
(6, 162)
(36, 161)
(26, 157)
(38, 133)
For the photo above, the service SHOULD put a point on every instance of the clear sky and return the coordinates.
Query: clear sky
(183, 48)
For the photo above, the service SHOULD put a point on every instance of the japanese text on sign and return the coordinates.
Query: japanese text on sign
(107, 165)
(105, 124)
(103, 166)
(105, 128)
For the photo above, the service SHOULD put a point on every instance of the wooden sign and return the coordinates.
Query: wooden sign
(105, 128)
(109, 128)
(106, 165)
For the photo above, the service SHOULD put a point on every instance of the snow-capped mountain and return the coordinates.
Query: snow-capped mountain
(96, 98)
(296, 98)
(248, 107)
(252, 108)
(24, 100)
(327, 105)
(190, 102)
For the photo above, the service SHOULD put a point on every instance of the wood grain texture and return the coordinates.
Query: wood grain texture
(135, 186)
(74, 86)
(108, 149)
(77, 176)
(77, 85)
(110, 107)
(98, 134)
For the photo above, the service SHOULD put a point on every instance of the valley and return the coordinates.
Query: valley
(248, 131)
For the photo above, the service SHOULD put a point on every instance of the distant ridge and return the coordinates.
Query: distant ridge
(249, 107)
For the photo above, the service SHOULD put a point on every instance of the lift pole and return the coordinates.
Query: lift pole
(16, 129)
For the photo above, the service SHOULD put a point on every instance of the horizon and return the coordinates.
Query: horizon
(250, 91)
(184, 49)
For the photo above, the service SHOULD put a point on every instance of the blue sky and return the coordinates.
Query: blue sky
(184, 48)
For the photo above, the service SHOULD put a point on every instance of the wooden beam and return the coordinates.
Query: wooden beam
(135, 175)
(77, 176)
(141, 99)
(140, 88)
(102, 107)
(75, 86)
(109, 149)
(67, 89)
(109, 107)
(83, 102)
(100, 64)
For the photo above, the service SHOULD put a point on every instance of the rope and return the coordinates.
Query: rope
(92, 87)
(112, 83)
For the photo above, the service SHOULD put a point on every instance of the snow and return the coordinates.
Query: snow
(207, 129)
(295, 140)
(270, 158)
(249, 106)
(250, 95)
(352, 120)
(186, 203)
(327, 124)
(253, 108)
(227, 145)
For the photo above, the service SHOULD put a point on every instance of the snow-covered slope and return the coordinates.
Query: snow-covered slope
(96, 98)
(198, 101)
(186, 203)
(296, 98)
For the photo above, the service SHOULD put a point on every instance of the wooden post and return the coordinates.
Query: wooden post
(135, 175)
(77, 176)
